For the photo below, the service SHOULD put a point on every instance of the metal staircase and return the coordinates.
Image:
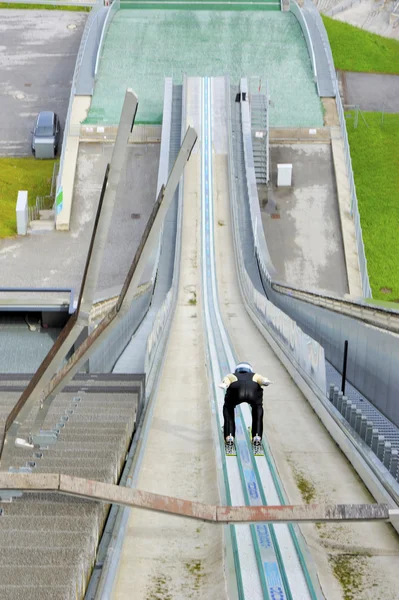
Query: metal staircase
(260, 136)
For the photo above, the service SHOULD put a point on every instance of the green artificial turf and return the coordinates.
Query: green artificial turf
(21, 174)
(375, 162)
(354, 49)
(45, 7)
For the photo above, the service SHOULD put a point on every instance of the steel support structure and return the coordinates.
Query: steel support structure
(149, 239)
(34, 392)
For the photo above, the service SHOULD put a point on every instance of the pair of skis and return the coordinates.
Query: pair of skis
(231, 450)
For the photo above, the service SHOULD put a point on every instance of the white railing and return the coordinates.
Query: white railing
(294, 8)
(89, 23)
(354, 208)
(115, 6)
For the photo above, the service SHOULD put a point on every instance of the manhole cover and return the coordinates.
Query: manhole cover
(135, 216)
(27, 84)
(71, 26)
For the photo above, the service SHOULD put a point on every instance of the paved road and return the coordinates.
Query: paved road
(38, 52)
(57, 258)
(371, 91)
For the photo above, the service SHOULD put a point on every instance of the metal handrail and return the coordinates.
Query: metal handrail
(115, 6)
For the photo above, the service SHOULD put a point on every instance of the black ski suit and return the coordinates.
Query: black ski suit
(243, 389)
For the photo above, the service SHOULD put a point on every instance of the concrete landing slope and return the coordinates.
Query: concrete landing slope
(308, 461)
(163, 556)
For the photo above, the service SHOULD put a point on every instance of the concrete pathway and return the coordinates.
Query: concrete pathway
(371, 91)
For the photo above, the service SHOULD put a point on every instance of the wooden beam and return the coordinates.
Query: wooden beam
(114, 494)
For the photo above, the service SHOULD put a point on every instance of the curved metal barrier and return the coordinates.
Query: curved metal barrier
(384, 318)
(159, 335)
(115, 6)
(295, 9)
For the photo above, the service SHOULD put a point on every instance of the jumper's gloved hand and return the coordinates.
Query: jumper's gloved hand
(264, 381)
(227, 381)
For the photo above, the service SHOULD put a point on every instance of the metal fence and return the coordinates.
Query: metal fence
(341, 7)
(45, 202)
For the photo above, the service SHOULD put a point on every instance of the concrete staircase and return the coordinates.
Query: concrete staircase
(45, 222)
(48, 542)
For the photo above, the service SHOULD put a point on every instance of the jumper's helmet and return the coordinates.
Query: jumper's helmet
(244, 367)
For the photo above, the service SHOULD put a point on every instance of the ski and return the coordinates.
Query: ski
(257, 449)
(230, 449)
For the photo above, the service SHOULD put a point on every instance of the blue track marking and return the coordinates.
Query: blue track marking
(267, 555)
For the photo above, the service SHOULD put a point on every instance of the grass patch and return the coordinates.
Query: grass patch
(354, 49)
(375, 162)
(159, 588)
(195, 568)
(21, 174)
(306, 487)
(193, 300)
(45, 7)
(349, 570)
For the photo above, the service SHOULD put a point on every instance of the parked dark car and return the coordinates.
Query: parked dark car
(46, 135)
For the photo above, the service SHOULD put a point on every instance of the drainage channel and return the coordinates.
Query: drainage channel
(269, 560)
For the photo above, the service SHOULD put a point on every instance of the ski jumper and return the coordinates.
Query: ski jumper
(243, 387)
